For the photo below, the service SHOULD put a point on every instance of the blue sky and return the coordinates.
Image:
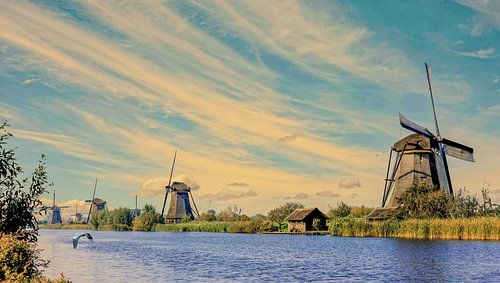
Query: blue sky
(266, 101)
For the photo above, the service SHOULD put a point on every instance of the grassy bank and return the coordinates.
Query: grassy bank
(484, 228)
(250, 227)
(111, 227)
(197, 226)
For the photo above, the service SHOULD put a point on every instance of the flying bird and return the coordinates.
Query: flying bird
(77, 237)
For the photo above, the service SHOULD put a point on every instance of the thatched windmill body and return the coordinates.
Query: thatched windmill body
(96, 204)
(180, 200)
(55, 211)
(420, 158)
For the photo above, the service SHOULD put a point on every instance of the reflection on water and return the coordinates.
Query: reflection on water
(153, 257)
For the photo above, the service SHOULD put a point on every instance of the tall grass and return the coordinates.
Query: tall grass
(196, 226)
(250, 227)
(66, 226)
(481, 228)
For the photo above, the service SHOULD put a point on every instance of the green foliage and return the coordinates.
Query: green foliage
(485, 228)
(280, 213)
(186, 219)
(194, 226)
(147, 220)
(19, 199)
(465, 205)
(259, 217)
(120, 216)
(20, 261)
(422, 201)
(316, 224)
(207, 216)
(342, 210)
(228, 214)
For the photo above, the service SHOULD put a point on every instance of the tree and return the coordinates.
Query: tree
(122, 216)
(464, 205)
(147, 220)
(342, 210)
(424, 201)
(19, 199)
(228, 214)
(207, 216)
(280, 213)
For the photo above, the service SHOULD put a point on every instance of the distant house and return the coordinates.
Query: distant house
(302, 220)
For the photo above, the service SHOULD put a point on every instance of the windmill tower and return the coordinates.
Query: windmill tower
(421, 159)
(55, 211)
(180, 205)
(96, 204)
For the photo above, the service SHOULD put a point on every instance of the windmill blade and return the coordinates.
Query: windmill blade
(458, 150)
(414, 127)
(92, 201)
(429, 72)
(168, 186)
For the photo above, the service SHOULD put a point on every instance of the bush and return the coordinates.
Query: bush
(280, 213)
(423, 201)
(147, 220)
(20, 261)
(19, 199)
(342, 210)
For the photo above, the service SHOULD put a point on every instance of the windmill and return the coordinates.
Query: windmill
(421, 158)
(180, 205)
(96, 204)
(55, 215)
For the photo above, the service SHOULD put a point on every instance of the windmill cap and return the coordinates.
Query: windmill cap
(180, 187)
(412, 142)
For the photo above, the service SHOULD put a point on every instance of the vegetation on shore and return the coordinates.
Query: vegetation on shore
(20, 204)
(482, 228)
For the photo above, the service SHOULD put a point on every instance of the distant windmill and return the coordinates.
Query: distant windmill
(180, 206)
(96, 204)
(55, 214)
(421, 158)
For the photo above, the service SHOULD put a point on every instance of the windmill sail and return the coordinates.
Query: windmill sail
(458, 150)
(414, 127)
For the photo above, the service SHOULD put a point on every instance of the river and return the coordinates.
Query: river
(202, 257)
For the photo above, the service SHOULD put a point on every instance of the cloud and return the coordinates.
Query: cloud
(349, 183)
(73, 205)
(298, 196)
(287, 139)
(328, 194)
(484, 53)
(237, 184)
(228, 194)
(28, 81)
(156, 187)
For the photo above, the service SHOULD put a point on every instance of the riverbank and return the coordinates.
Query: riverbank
(111, 227)
(484, 228)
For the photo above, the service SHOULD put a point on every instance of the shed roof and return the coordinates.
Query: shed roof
(301, 214)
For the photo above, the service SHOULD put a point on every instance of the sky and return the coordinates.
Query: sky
(266, 101)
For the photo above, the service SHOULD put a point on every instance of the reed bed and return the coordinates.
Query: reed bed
(481, 228)
(197, 226)
(66, 226)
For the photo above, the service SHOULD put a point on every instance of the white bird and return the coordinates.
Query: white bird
(76, 237)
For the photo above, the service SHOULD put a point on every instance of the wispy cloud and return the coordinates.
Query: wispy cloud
(484, 53)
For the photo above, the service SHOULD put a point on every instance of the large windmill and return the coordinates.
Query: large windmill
(96, 204)
(55, 211)
(421, 158)
(180, 205)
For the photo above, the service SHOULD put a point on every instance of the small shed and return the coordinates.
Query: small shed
(302, 220)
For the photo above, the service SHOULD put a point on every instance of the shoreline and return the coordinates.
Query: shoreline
(482, 229)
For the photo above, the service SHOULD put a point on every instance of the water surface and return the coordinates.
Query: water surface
(202, 257)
